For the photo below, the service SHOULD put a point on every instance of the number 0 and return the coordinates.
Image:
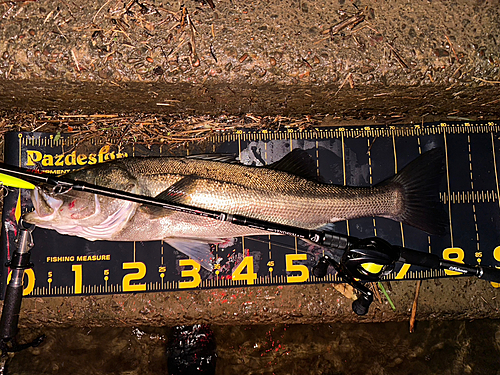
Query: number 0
(31, 281)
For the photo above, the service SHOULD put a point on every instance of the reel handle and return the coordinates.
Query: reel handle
(362, 304)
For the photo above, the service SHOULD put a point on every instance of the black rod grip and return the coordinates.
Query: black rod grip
(418, 258)
(10, 312)
(489, 273)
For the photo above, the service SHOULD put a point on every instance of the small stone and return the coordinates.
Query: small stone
(441, 52)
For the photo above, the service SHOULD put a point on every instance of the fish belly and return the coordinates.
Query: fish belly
(141, 227)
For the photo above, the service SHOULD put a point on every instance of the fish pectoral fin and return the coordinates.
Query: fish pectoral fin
(180, 191)
(297, 162)
(196, 250)
(176, 193)
(154, 212)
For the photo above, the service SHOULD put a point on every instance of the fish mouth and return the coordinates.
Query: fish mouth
(46, 206)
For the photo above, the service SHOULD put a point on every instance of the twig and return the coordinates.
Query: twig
(343, 83)
(485, 80)
(101, 8)
(321, 40)
(48, 16)
(492, 102)
(75, 60)
(371, 145)
(374, 287)
(349, 22)
(494, 308)
(414, 307)
(399, 58)
(451, 45)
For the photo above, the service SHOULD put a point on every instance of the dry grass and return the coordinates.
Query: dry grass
(144, 129)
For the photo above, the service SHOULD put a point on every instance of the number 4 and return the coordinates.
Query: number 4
(250, 276)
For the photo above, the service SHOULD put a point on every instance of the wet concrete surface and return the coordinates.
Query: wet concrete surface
(394, 61)
(439, 299)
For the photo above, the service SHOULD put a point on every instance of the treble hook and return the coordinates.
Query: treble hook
(4, 190)
(62, 188)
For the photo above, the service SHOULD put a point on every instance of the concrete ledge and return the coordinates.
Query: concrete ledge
(376, 103)
(461, 298)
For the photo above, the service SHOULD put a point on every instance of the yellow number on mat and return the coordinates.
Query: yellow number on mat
(141, 272)
(403, 271)
(290, 267)
(31, 281)
(454, 254)
(496, 255)
(250, 275)
(77, 269)
(194, 272)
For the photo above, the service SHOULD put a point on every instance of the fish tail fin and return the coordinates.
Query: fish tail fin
(420, 181)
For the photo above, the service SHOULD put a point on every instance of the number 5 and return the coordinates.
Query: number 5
(290, 267)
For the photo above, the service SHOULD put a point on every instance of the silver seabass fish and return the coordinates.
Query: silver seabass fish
(284, 192)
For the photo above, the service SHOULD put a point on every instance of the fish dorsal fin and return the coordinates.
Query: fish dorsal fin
(223, 158)
(297, 162)
(176, 193)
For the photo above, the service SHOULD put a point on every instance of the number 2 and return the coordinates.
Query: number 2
(141, 272)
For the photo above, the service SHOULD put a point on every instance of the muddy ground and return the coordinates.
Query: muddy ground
(174, 72)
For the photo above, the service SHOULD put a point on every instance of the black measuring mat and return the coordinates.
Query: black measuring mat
(354, 156)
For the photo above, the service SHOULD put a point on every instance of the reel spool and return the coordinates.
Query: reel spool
(367, 260)
(370, 259)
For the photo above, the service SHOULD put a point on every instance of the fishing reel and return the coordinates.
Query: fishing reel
(366, 260)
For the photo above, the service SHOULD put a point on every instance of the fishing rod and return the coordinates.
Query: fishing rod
(363, 260)
(19, 262)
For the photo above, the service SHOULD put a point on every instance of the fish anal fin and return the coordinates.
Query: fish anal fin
(197, 250)
(297, 162)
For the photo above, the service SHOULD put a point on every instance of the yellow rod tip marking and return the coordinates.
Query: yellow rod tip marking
(15, 182)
